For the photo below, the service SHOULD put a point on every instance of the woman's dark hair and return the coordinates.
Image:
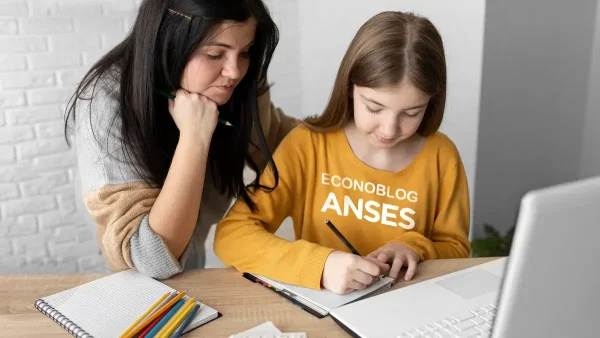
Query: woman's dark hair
(153, 56)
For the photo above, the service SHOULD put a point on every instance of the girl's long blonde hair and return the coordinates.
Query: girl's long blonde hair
(389, 48)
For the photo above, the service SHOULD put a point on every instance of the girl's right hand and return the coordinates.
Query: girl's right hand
(195, 115)
(345, 272)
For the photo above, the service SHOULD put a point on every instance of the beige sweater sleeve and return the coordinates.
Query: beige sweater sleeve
(116, 197)
(118, 210)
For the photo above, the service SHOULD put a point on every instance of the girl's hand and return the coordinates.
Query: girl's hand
(345, 272)
(195, 115)
(398, 255)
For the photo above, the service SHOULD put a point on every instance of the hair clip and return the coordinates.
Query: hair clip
(180, 14)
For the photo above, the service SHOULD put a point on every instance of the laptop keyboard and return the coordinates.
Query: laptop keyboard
(469, 324)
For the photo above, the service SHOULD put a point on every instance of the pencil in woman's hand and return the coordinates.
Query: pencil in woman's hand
(172, 97)
(166, 94)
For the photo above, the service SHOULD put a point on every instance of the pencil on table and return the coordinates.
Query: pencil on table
(153, 323)
(145, 314)
(186, 322)
(148, 328)
(176, 319)
(165, 301)
(165, 319)
(149, 320)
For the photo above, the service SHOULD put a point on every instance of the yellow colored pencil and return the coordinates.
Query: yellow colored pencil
(172, 325)
(149, 320)
(145, 314)
(177, 318)
(173, 328)
(165, 301)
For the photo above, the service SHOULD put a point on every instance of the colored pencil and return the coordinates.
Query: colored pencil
(186, 322)
(145, 314)
(165, 319)
(144, 333)
(172, 97)
(149, 320)
(176, 319)
(165, 301)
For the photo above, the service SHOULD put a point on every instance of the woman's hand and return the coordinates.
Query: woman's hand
(345, 272)
(398, 255)
(195, 115)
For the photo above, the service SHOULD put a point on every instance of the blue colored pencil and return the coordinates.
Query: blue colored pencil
(165, 319)
(186, 322)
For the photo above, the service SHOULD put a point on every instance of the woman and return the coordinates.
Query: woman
(156, 173)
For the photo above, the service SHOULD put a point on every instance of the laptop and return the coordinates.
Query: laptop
(549, 286)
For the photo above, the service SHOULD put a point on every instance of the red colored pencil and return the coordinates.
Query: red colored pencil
(152, 325)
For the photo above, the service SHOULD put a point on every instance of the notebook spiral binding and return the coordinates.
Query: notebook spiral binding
(61, 320)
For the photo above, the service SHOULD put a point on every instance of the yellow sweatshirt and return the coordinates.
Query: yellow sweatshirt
(425, 206)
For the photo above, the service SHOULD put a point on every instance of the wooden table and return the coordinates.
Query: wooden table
(242, 303)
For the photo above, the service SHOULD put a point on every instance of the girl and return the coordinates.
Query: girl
(373, 163)
(157, 173)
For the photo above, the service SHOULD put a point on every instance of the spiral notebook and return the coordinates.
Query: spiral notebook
(107, 306)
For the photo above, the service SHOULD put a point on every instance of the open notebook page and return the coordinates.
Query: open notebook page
(327, 299)
(107, 306)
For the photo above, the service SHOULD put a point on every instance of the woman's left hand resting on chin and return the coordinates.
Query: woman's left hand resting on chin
(397, 255)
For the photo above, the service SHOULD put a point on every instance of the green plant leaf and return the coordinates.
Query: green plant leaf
(493, 244)
(490, 231)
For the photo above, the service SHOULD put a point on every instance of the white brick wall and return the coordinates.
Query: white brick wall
(45, 48)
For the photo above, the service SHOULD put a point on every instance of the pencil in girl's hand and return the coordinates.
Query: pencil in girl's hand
(145, 314)
(186, 322)
(172, 97)
(341, 237)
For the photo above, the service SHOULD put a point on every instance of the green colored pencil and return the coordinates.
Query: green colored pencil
(172, 97)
